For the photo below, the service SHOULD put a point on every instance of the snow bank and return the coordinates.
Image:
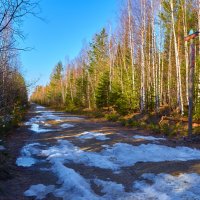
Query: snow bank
(26, 159)
(39, 191)
(149, 138)
(168, 187)
(36, 128)
(91, 135)
(120, 155)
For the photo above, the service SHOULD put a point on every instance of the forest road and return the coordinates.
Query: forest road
(56, 155)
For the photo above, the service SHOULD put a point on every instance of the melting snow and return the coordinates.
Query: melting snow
(26, 159)
(39, 191)
(91, 135)
(114, 157)
(47, 125)
(74, 186)
(74, 118)
(66, 125)
(168, 187)
(150, 138)
(40, 107)
(36, 128)
(152, 187)
(111, 190)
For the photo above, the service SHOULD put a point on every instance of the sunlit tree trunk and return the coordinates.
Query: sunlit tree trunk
(131, 42)
(143, 25)
(184, 10)
(169, 69)
(179, 85)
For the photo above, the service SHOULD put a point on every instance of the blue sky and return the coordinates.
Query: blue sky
(67, 24)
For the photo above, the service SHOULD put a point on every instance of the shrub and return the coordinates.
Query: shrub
(112, 117)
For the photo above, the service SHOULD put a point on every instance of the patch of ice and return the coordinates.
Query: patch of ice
(26, 159)
(168, 187)
(150, 138)
(39, 191)
(120, 154)
(66, 125)
(36, 128)
(2, 148)
(91, 135)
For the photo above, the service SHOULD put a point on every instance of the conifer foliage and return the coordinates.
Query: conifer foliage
(142, 66)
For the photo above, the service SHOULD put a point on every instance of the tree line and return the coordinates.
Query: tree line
(13, 90)
(140, 66)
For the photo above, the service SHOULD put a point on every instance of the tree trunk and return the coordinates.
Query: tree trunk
(179, 84)
(191, 87)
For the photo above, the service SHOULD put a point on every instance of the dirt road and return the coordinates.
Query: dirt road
(55, 155)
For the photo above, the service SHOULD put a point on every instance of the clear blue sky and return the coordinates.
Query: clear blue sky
(68, 24)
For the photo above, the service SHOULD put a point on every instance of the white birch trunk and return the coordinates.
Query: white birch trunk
(179, 85)
(186, 45)
(169, 69)
(131, 41)
(142, 95)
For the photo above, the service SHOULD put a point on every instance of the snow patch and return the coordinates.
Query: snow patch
(91, 135)
(168, 187)
(26, 159)
(47, 125)
(66, 125)
(111, 190)
(40, 107)
(120, 155)
(149, 138)
(36, 128)
(74, 118)
(39, 191)
(74, 186)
